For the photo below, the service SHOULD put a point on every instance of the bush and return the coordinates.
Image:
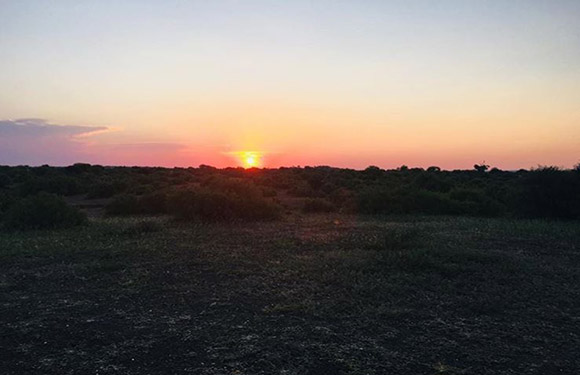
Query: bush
(6, 199)
(209, 205)
(405, 201)
(268, 192)
(4, 180)
(476, 202)
(61, 185)
(428, 202)
(301, 189)
(549, 192)
(130, 204)
(432, 182)
(106, 189)
(124, 205)
(153, 203)
(43, 211)
(313, 205)
(375, 201)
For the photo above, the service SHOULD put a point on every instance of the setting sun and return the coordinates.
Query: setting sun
(249, 159)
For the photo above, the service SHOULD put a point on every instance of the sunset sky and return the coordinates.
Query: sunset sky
(342, 83)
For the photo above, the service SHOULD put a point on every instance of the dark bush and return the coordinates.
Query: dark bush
(373, 172)
(61, 185)
(106, 189)
(476, 202)
(6, 199)
(549, 192)
(42, 211)
(302, 189)
(431, 182)
(4, 181)
(314, 205)
(376, 201)
(405, 201)
(207, 205)
(80, 168)
(125, 204)
(545, 192)
(131, 204)
(153, 203)
(268, 192)
(428, 202)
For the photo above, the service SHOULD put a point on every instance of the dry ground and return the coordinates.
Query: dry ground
(320, 294)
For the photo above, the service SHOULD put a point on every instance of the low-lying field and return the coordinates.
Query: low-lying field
(309, 294)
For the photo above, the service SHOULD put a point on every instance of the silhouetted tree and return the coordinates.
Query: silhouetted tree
(481, 167)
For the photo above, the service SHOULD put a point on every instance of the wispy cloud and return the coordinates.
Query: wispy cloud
(37, 141)
(36, 128)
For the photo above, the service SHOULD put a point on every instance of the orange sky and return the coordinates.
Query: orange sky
(347, 84)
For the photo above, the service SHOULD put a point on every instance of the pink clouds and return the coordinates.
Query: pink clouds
(36, 142)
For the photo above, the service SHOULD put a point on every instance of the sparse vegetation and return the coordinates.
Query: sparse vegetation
(220, 271)
(442, 293)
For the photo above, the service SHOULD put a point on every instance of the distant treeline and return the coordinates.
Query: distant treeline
(209, 193)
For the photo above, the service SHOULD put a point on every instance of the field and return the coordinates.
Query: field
(306, 294)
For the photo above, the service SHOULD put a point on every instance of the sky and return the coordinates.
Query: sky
(349, 84)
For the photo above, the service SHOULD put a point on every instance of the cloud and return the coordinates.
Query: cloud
(36, 141)
(36, 128)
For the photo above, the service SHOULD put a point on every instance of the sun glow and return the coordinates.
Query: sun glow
(249, 159)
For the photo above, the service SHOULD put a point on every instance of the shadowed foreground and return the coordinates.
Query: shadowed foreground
(308, 295)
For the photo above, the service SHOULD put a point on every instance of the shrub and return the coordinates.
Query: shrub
(375, 201)
(372, 172)
(428, 202)
(313, 205)
(125, 204)
(6, 199)
(61, 185)
(43, 211)
(549, 192)
(268, 192)
(106, 189)
(476, 202)
(432, 182)
(209, 205)
(4, 180)
(153, 203)
(301, 189)
(130, 204)
(79, 168)
(405, 201)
